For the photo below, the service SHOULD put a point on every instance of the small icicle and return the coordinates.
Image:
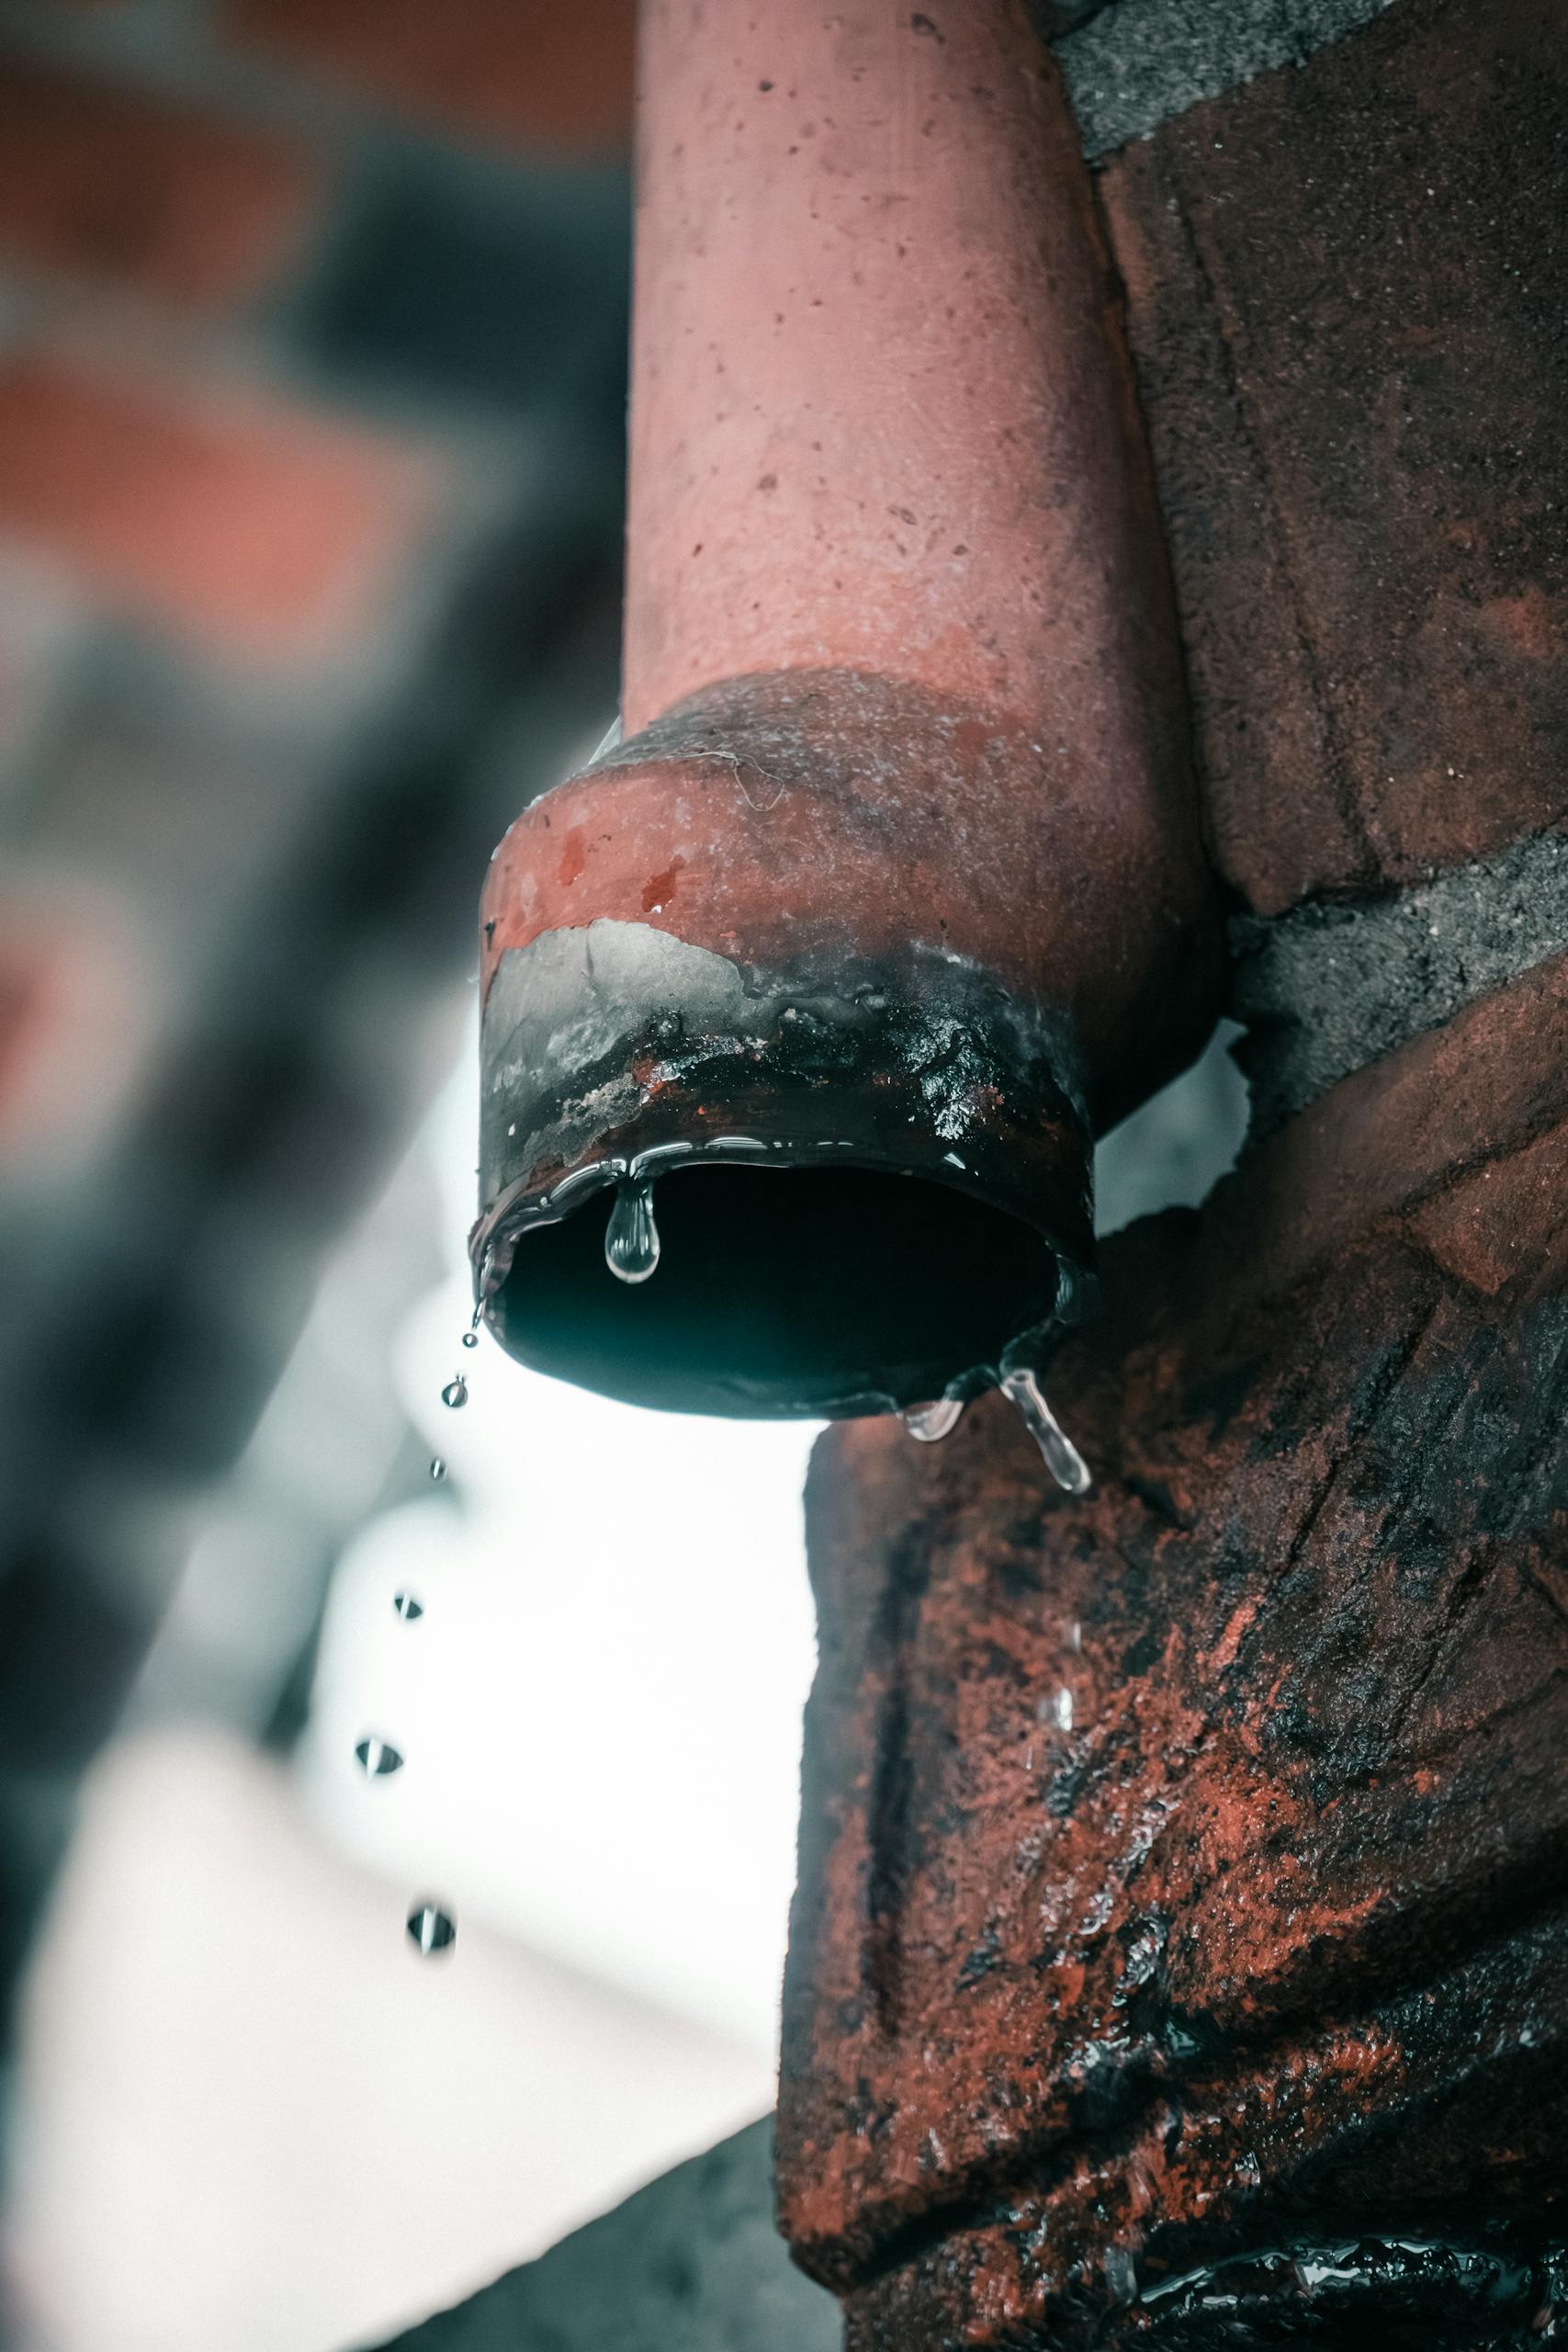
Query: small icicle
(631, 1237)
(1061, 1457)
(1121, 2276)
(431, 1930)
(929, 1422)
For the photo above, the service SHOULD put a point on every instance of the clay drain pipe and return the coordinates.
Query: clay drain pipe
(891, 895)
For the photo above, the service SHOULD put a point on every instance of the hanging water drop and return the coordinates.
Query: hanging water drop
(631, 1237)
(929, 1422)
(1121, 2275)
(455, 1392)
(431, 1930)
(378, 1758)
(438, 1470)
(1061, 1457)
(407, 1606)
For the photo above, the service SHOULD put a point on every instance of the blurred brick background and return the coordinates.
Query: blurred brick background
(312, 322)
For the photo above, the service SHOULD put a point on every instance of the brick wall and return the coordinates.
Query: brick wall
(311, 384)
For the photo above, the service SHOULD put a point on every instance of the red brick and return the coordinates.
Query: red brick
(265, 532)
(1505, 1224)
(41, 626)
(1259, 1922)
(113, 184)
(1346, 288)
(77, 1014)
(551, 72)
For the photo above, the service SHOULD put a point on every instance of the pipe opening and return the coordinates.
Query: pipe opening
(783, 1292)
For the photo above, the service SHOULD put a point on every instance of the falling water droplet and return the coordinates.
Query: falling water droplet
(1061, 1457)
(1062, 1710)
(438, 1470)
(471, 1338)
(407, 1606)
(455, 1392)
(929, 1422)
(378, 1758)
(431, 1930)
(631, 1237)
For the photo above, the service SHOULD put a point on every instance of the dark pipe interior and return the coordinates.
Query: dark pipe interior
(780, 1291)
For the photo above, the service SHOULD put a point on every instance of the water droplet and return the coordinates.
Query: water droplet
(1072, 1295)
(455, 1392)
(1061, 1457)
(431, 1930)
(378, 1758)
(631, 1237)
(438, 1469)
(929, 1422)
(470, 1339)
(407, 1606)
(1121, 2275)
(1062, 1710)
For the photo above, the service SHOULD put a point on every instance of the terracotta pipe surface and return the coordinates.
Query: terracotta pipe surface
(883, 421)
(895, 875)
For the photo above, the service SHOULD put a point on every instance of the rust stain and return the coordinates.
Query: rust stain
(660, 889)
(573, 858)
